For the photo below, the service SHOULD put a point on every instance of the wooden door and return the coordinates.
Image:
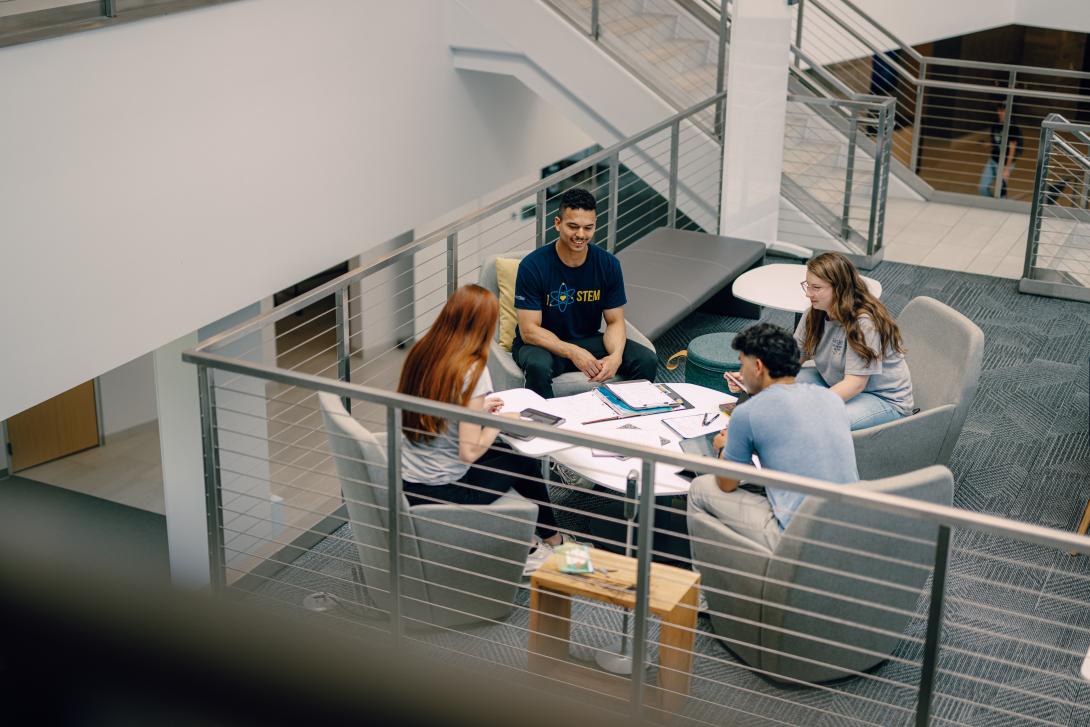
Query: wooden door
(62, 425)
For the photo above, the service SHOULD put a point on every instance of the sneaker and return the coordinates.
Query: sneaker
(539, 553)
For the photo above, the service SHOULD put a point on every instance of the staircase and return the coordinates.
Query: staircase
(673, 47)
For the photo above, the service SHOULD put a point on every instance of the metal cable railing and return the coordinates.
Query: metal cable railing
(873, 609)
(836, 150)
(1058, 243)
(947, 110)
(850, 585)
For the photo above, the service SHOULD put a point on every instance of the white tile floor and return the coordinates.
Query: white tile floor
(126, 470)
(952, 237)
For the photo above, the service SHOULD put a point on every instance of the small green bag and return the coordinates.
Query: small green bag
(708, 357)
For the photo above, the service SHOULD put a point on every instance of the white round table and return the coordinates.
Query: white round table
(779, 286)
(611, 473)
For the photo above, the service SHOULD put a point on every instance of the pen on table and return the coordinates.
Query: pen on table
(706, 421)
(604, 419)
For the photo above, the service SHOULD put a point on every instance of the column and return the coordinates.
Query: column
(757, 71)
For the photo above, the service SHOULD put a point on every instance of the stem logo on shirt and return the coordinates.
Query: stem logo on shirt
(564, 296)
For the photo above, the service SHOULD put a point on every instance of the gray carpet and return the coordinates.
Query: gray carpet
(1017, 623)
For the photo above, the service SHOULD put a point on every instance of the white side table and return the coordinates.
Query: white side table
(779, 286)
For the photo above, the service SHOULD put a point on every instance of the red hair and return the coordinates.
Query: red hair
(446, 364)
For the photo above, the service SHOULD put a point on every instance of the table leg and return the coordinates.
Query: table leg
(677, 635)
(550, 626)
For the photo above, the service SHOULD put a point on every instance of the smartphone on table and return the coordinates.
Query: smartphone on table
(542, 417)
(535, 415)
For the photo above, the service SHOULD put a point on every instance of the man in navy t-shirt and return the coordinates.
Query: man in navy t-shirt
(562, 293)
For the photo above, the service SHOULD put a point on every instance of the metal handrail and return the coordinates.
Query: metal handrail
(1065, 272)
(1073, 152)
(862, 239)
(943, 515)
(881, 28)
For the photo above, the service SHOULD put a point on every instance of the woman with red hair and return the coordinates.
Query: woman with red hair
(462, 463)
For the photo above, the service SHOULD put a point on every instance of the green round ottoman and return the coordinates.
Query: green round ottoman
(708, 357)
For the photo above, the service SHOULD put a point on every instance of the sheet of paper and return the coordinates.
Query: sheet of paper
(693, 425)
(640, 394)
(628, 436)
(519, 399)
(580, 409)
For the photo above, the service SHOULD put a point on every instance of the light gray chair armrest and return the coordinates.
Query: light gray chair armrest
(904, 445)
(731, 571)
(473, 555)
(633, 334)
(504, 371)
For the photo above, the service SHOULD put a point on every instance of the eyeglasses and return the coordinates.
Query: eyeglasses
(806, 287)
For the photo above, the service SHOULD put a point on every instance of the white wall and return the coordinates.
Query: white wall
(925, 20)
(162, 174)
(921, 21)
(1058, 14)
(128, 395)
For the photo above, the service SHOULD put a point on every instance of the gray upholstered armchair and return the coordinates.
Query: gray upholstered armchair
(833, 599)
(944, 350)
(460, 563)
(501, 365)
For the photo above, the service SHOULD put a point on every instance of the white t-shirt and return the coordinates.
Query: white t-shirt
(435, 461)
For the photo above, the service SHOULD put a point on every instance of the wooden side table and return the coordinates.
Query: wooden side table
(674, 599)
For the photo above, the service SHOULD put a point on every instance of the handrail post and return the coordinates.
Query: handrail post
(883, 152)
(934, 628)
(213, 495)
(721, 74)
(452, 263)
(109, 8)
(614, 191)
(539, 228)
(849, 176)
(917, 120)
(1033, 235)
(393, 516)
(1008, 106)
(643, 584)
(798, 32)
(671, 210)
(594, 27)
(344, 367)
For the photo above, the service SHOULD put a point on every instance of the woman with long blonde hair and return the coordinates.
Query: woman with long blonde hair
(854, 342)
(463, 463)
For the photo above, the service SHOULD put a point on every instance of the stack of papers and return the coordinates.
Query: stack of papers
(641, 395)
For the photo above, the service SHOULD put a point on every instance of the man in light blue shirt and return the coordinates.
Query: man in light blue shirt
(801, 429)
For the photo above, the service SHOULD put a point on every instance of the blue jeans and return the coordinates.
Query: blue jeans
(864, 410)
(986, 187)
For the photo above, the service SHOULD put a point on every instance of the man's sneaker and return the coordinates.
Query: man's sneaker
(539, 553)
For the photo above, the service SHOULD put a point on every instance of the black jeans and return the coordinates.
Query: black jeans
(497, 471)
(540, 365)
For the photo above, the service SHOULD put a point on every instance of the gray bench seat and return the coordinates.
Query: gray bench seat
(670, 273)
